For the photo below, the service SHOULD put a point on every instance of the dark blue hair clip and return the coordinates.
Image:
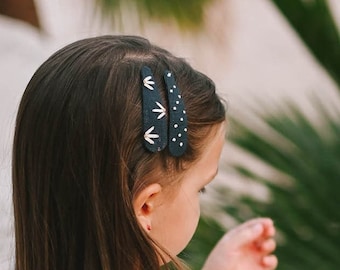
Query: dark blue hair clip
(178, 138)
(155, 124)
(154, 114)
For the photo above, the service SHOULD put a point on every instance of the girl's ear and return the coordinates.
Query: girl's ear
(145, 203)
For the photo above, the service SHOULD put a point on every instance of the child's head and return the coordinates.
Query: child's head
(87, 193)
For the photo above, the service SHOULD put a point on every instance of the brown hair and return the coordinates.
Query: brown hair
(78, 157)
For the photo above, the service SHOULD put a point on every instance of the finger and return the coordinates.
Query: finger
(252, 231)
(265, 221)
(269, 230)
(270, 262)
(246, 235)
(267, 246)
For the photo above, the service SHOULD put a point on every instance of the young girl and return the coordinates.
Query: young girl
(115, 138)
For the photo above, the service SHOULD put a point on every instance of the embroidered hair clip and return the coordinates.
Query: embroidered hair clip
(154, 120)
(158, 132)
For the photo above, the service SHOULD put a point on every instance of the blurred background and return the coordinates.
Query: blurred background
(276, 62)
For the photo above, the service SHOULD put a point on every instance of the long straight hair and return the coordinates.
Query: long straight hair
(78, 157)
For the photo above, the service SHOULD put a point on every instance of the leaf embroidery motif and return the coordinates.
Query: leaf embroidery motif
(148, 82)
(161, 110)
(148, 136)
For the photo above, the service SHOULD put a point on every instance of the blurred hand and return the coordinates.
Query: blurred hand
(246, 247)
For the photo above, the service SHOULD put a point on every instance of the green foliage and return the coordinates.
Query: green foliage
(188, 14)
(306, 210)
(314, 23)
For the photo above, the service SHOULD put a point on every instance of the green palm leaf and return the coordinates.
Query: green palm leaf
(314, 23)
(187, 14)
(307, 211)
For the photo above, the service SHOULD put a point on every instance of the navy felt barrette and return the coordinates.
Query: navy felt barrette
(158, 130)
(154, 114)
(177, 117)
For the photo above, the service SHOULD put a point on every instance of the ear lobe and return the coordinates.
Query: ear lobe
(144, 204)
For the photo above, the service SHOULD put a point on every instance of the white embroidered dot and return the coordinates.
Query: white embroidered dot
(174, 108)
(180, 144)
(177, 102)
(175, 126)
(181, 119)
(171, 91)
(185, 129)
(174, 86)
(173, 139)
(179, 135)
(179, 96)
(169, 74)
(184, 112)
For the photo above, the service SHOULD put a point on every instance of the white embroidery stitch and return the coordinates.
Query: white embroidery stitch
(148, 136)
(161, 110)
(148, 82)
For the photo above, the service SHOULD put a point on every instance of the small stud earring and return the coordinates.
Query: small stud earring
(148, 227)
